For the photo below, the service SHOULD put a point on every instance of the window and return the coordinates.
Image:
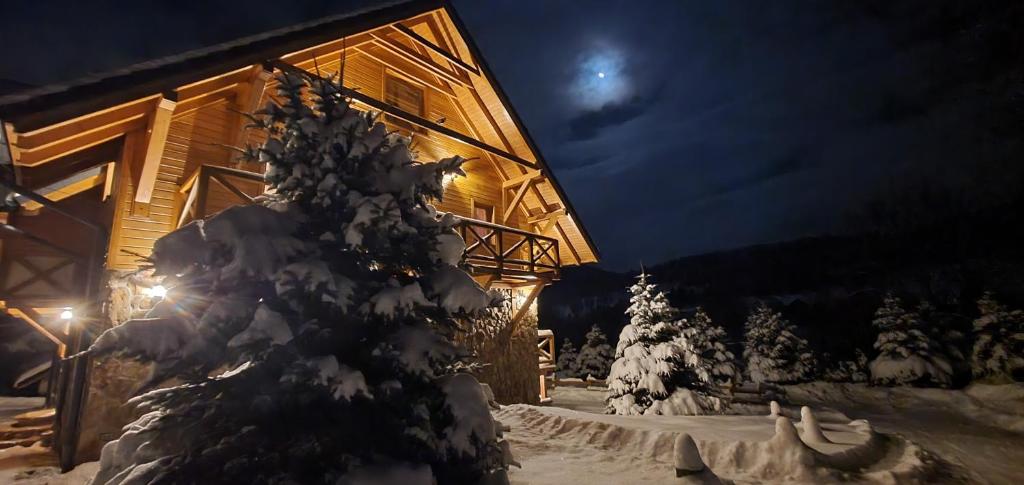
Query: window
(405, 96)
(482, 212)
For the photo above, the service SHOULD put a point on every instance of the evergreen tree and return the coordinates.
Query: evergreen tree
(647, 366)
(906, 354)
(568, 360)
(311, 333)
(773, 352)
(705, 352)
(998, 352)
(596, 356)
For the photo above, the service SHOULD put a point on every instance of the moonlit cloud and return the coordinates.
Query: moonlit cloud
(601, 77)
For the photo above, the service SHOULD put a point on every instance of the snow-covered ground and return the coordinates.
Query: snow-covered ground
(925, 436)
(930, 437)
(980, 428)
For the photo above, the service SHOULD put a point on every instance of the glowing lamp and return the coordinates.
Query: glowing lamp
(67, 314)
(447, 179)
(158, 291)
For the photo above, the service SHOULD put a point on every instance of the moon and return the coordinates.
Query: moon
(601, 77)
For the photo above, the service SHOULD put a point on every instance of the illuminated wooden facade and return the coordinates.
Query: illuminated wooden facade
(140, 151)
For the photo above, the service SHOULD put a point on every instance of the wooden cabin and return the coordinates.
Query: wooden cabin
(103, 166)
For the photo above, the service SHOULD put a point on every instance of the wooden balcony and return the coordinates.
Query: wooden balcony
(507, 252)
(504, 252)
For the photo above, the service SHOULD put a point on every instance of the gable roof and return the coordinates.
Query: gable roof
(35, 108)
(38, 108)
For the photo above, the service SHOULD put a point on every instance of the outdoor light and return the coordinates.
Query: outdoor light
(447, 179)
(67, 314)
(158, 291)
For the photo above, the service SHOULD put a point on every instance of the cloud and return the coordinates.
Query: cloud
(774, 169)
(588, 124)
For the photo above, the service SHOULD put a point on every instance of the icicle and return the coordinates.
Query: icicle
(812, 430)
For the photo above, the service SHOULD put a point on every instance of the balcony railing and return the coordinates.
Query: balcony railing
(502, 251)
(508, 252)
(211, 189)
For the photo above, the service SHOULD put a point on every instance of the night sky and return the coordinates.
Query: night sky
(676, 128)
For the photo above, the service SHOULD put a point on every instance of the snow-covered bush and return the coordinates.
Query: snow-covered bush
(906, 354)
(595, 359)
(649, 364)
(311, 333)
(703, 345)
(998, 352)
(855, 370)
(568, 360)
(772, 350)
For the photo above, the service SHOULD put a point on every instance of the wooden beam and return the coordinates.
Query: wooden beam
(108, 181)
(419, 78)
(407, 53)
(416, 120)
(516, 201)
(248, 100)
(88, 139)
(12, 142)
(567, 243)
(153, 148)
(62, 192)
(555, 214)
(530, 297)
(26, 315)
(419, 39)
(518, 179)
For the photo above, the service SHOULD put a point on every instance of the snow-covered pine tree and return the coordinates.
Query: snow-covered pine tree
(906, 354)
(998, 352)
(705, 352)
(647, 364)
(311, 333)
(568, 360)
(773, 352)
(596, 355)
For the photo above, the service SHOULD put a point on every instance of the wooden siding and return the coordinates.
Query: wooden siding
(205, 119)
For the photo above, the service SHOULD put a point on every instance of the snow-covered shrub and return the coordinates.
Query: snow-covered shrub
(772, 350)
(704, 349)
(649, 364)
(998, 352)
(906, 354)
(312, 332)
(595, 359)
(848, 370)
(568, 360)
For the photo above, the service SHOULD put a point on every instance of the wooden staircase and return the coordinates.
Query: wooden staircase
(27, 429)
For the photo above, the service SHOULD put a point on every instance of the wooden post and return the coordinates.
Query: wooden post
(153, 149)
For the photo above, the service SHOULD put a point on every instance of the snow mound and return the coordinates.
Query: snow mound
(618, 447)
(684, 402)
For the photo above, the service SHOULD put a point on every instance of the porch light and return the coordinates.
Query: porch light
(447, 179)
(67, 314)
(158, 291)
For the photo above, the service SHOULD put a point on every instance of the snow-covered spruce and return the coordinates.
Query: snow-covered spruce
(649, 366)
(772, 350)
(703, 345)
(568, 360)
(906, 354)
(595, 359)
(312, 332)
(998, 352)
